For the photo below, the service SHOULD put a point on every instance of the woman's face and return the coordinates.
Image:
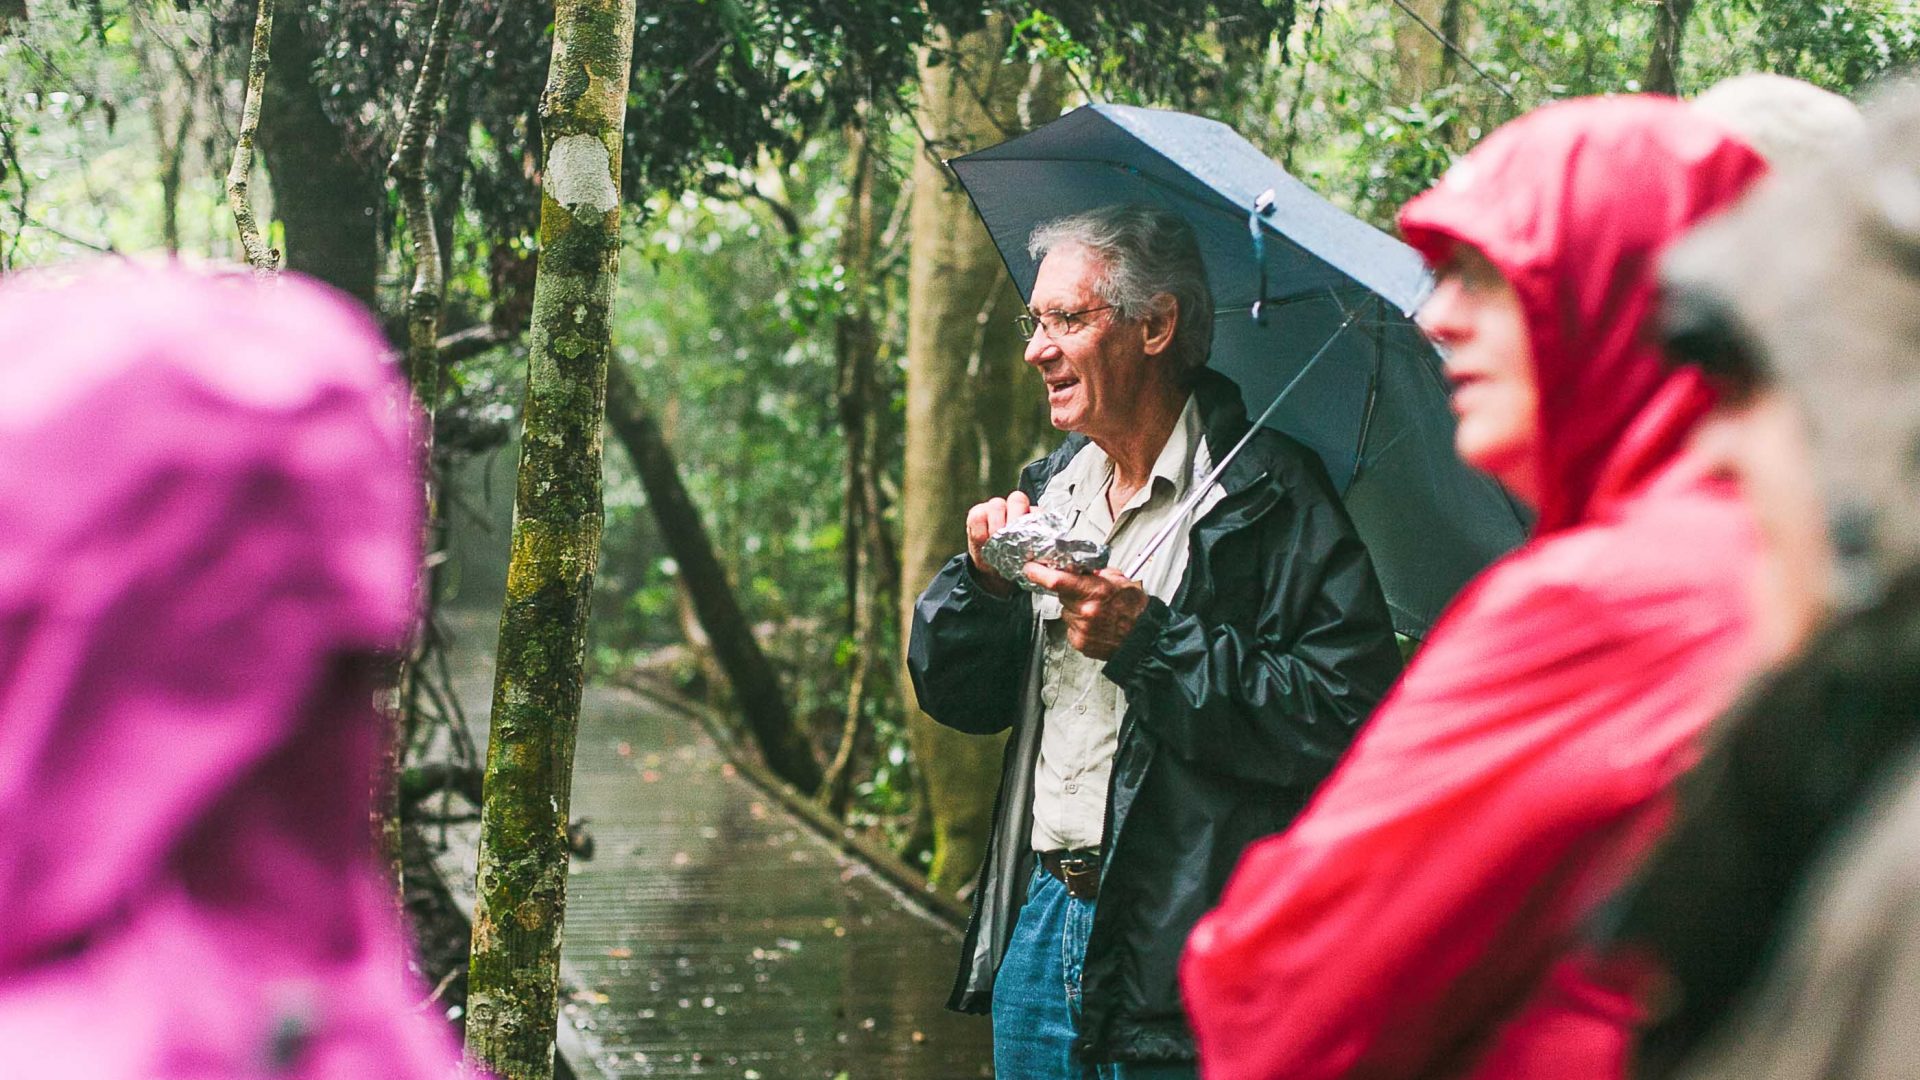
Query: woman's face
(1476, 319)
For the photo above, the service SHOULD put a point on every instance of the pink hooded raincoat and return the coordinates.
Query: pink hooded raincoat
(209, 521)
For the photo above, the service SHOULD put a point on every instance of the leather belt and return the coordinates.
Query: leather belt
(1078, 870)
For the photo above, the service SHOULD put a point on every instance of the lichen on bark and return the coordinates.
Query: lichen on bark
(514, 966)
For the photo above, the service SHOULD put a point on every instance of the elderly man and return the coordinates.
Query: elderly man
(1161, 723)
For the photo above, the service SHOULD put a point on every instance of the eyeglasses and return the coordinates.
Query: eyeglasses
(1057, 324)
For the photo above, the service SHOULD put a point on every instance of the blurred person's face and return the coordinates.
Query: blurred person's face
(1476, 319)
(1762, 442)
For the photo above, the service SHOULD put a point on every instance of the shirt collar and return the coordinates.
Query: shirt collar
(1172, 470)
(1086, 474)
(1175, 462)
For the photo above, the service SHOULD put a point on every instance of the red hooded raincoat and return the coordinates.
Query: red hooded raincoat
(1414, 921)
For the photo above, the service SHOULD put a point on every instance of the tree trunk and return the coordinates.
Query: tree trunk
(328, 200)
(514, 980)
(974, 414)
(1418, 56)
(1423, 62)
(869, 559)
(409, 171)
(756, 689)
(240, 175)
(1669, 29)
(173, 155)
(159, 54)
(1453, 27)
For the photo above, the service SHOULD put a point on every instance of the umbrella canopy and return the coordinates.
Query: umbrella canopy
(1373, 404)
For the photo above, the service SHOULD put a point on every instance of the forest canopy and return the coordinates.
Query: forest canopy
(772, 155)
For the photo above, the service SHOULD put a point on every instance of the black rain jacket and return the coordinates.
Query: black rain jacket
(1241, 694)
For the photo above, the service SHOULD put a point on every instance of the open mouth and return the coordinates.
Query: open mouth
(1059, 388)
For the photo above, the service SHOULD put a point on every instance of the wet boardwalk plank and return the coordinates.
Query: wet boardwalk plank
(714, 935)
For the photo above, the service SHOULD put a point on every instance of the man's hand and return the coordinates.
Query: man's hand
(1099, 609)
(983, 521)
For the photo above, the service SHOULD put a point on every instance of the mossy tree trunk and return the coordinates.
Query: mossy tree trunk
(513, 996)
(974, 414)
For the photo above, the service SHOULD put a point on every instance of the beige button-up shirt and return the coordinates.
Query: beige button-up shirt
(1080, 730)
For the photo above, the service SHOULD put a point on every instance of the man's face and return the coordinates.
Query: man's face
(1097, 367)
(1476, 319)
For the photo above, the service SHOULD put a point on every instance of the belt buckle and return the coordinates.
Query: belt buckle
(1081, 876)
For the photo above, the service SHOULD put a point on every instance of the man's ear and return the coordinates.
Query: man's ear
(1160, 325)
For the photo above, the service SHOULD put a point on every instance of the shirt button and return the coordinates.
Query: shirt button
(1073, 788)
(1080, 708)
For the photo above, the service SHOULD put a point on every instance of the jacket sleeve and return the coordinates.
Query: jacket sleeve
(967, 649)
(1279, 700)
(1421, 899)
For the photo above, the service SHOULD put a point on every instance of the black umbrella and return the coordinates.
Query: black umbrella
(1310, 302)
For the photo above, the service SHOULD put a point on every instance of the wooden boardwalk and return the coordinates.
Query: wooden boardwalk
(713, 934)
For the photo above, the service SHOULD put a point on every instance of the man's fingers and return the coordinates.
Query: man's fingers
(1076, 590)
(1045, 576)
(1018, 504)
(996, 515)
(1068, 585)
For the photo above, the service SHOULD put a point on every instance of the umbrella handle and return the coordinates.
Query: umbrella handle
(1260, 206)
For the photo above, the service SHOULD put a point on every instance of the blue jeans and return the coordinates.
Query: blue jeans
(1036, 995)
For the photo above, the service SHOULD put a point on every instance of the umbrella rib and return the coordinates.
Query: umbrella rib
(1300, 298)
(1200, 489)
(1366, 418)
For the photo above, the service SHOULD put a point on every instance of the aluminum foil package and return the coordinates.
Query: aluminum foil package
(1040, 537)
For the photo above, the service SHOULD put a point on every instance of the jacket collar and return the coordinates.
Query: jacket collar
(1223, 416)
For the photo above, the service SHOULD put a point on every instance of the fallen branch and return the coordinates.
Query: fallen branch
(421, 781)
(474, 340)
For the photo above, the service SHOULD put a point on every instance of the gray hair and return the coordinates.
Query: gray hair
(1146, 254)
(1789, 121)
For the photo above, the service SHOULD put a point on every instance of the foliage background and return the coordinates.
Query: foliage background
(738, 172)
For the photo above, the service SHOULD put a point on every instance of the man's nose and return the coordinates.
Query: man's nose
(1040, 348)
